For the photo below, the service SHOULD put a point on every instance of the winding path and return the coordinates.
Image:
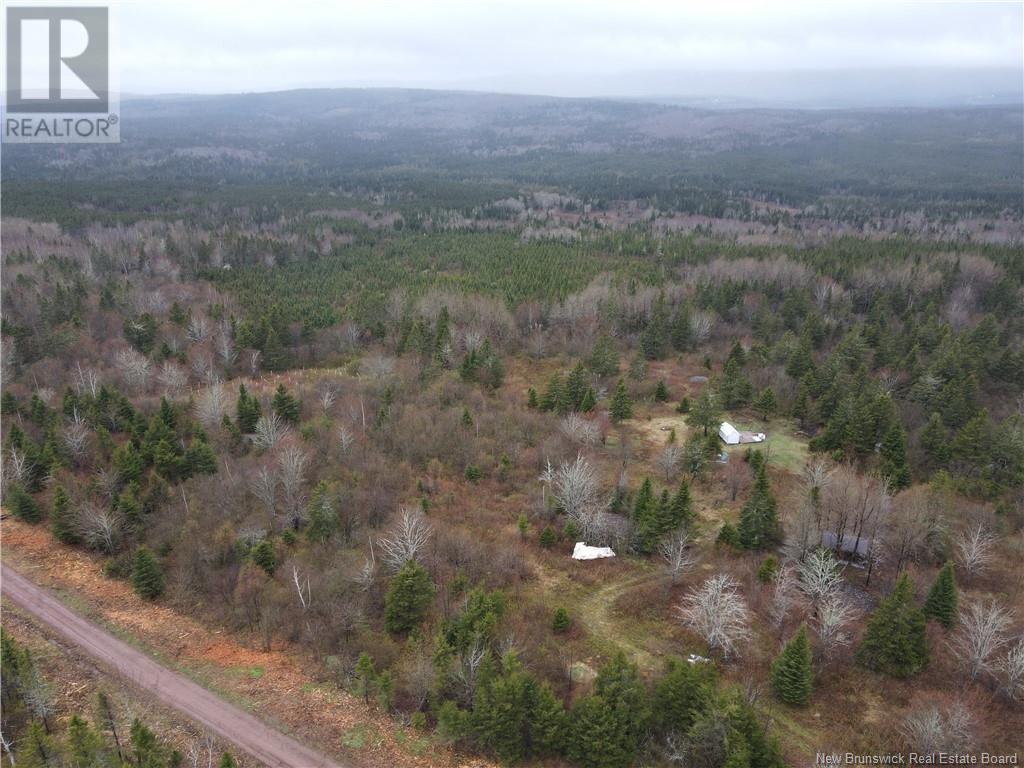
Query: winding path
(232, 724)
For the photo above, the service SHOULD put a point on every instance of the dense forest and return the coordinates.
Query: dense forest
(362, 397)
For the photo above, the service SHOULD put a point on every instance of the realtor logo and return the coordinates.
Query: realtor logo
(59, 75)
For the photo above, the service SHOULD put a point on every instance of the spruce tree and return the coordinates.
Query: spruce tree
(604, 360)
(661, 392)
(622, 405)
(285, 405)
(227, 761)
(589, 401)
(943, 599)
(765, 403)
(265, 557)
(531, 398)
(23, 505)
(275, 356)
(62, 519)
(681, 508)
(935, 441)
(684, 693)
(706, 413)
(407, 599)
(893, 451)
(323, 520)
(895, 642)
(759, 525)
(247, 411)
(147, 576)
(791, 671)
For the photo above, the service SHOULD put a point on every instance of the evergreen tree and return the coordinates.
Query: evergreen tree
(554, 398)
(895, 641)
(935, 441)
(227, 761)
(531, 398)
(681, 508)
(265, 557)
(943, 599)
(200, 459)
(408, 598)
(561, 621)
(147, 575)
(23, 505)
(84, 745)
(791, 671)
(364, 676)
(604, 360)
(759, 525)
(661, 392)
(684, 693)
(285, 405)
(654, 341)
(622, 405)
(706, 413)
(589, 401)
(62, 518)
(247, 411)
(765, 403)
(893, 453)
(275, 355)
(734, 386)
(576, 387)
(323, 520)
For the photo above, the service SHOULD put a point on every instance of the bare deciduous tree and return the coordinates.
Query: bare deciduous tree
(718, 613)
(100, 527)
(576, 488)
(226, 348)
(933, 729)
(198, 329)
(291, 472)
(345, 439)
(255, 357)
(326, 396)
(820, 577)
(786, 594)
(135, 368)
(668, 461)
(834, 615)
(211, 405)
(981, 633)
(701, 324)
(1011, 671)
(974, 549)
(407, 539)
(264, 487)
(271, 429)
(86, 380)
(580, 430)
(76, 438)
(678, 554)
(171, 377)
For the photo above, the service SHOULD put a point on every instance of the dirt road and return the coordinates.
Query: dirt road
(251, 735)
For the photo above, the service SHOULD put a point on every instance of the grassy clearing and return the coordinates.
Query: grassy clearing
(784, 449)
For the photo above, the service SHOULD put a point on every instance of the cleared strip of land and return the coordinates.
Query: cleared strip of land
(252, 735)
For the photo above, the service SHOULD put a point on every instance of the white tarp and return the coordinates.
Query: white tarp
(583, 552)
(729, 434)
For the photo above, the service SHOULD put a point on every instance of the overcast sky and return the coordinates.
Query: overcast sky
(216, 46)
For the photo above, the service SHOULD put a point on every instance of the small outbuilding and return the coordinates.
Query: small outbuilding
(732, 436)
(583, 552)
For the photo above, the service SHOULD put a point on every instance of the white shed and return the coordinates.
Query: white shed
(729, 434)
(583, 552)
